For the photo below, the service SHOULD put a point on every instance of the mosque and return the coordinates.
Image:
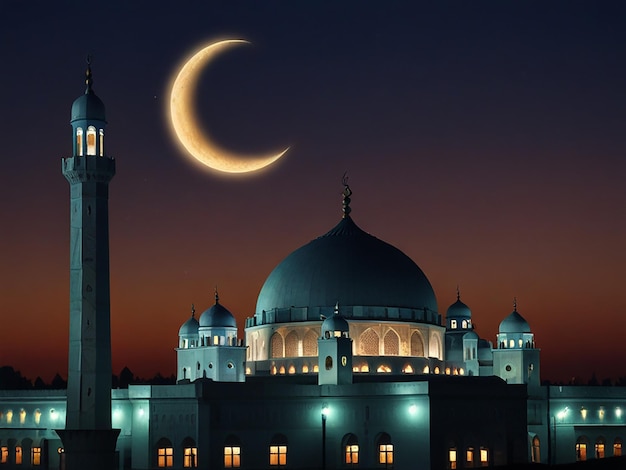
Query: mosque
(347, 362)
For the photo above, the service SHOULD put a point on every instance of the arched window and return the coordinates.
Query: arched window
(79, 141)
(232, 452)
(4, 454)
(484, 457)
(617, 447)
(391, 344)
(385, 449)
(291, 345)
(165, 453)
(278, 451)
(277, 345)
(35, 456)
(369, 343)
(18, 455)
(91, 140)
(469, 457)
(310, 343)
(190, 453)
(599, 448)
(101, 142)
(535, 455)
(417, 345)
(464, 324)
(452, 458)
(350, 445)
(453, 324)
(581, 449)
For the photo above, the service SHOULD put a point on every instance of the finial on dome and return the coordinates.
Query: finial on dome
(458, 293)
(193, 311)
(515, 304)
(217, 297)
(88, 77)
(337, 308)
(347, 192)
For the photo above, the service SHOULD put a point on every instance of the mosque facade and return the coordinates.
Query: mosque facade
(346, 362)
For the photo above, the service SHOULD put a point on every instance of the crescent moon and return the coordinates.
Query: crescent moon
(183, 117)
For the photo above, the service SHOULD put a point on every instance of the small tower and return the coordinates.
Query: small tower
(461, 340)
(88, 438)
(516, 359)
(209, 348)
(335, 351)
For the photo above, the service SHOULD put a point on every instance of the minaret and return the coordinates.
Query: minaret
(88, 438)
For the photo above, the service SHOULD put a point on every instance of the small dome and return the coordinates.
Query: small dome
(514, 323)
(458, 310)
(190, 327)
(88, 106)
(470, 335)
(217, 316)
(335, 323)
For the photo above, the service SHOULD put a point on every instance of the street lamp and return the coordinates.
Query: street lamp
(325, 411)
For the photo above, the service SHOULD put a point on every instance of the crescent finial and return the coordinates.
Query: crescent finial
(88, 76)
(217, 297)
(193, 310)
(515, 304)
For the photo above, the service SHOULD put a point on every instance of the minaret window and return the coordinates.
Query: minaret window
(452, 458)
(453, 324)
(484, 457)
(91, 140)
(464, 324)
(469, 457)
(79, 141)
(102, 142)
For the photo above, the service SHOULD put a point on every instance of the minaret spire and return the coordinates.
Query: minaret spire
(88, 76)
(217, 297)
(347, 192)
(515, 304)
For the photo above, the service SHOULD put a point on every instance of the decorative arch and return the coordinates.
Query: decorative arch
(350, 450)
(434, 347)
(369, 343)
(79, 141)
(391, 343)
(417, 345)
(91, 140)
(277, 344)
(291, 344)
(310, 343)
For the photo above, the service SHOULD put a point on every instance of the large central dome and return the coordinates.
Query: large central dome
(349, 266)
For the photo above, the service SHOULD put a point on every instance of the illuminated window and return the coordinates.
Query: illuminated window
(436, 370)
(599, 449)
(232, 456)
(273, 370)
(464, 324)
(4, 454)
(22, 416)
(484, 457)
(292, 369)
(315, 368)
(101, 142)
(352, 454)
(278, 451)
(365, 368)
(426, 370)
(408, 369)
(385, 449)
(581, 451)
(520, 343)
(190, 457)
(351, 447)
(511, 344)
(91, 140)
(383, 369)
(601, 413)
(535, 455)
(281, 371)
(165, 457)
(583, 413)
(305, 369)
(469, 457)
(278, 456)
(617, 447)
(9, 416)
(447, 371)
(79, 142)
(453, 324)
(35, 456)
(452, 458)
(18, 455)
(461, 371)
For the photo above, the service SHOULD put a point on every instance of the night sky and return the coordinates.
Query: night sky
(486, 140)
